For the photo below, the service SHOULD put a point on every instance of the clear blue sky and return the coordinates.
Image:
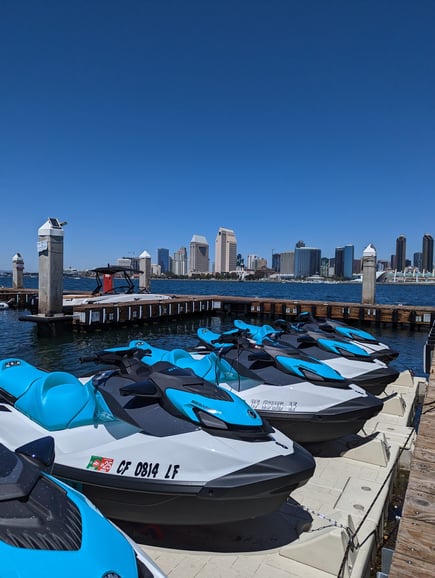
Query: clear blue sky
(141, 123)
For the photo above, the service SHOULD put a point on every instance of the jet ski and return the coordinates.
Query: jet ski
(362, 369)
(166, 448)
(48, 529)
(304, 411)
(305, 321)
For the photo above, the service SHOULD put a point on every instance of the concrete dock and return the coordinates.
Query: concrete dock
(332, 526)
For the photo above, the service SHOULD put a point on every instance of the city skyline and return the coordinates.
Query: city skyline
(145, 123)
(164, 254)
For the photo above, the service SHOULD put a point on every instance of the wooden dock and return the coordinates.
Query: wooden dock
(109, 315)
(414, 553)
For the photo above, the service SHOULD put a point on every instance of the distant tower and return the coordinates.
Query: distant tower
(427, 259)
(17, 271)
(369, 275)
(225, 251)
(199, 255)
(400, 253)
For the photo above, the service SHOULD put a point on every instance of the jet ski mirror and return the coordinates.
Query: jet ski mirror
(40, 452)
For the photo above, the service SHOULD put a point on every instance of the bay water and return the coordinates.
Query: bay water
(20, 339)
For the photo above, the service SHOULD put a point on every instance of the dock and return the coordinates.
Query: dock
(332, 526)
(414, 553)
(99, 316)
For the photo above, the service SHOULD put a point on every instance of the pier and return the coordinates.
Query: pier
(93, 316)
(414, 553)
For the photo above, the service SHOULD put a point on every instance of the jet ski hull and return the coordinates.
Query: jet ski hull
(249, 493)
(327, 425)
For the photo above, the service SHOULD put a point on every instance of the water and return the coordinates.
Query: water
(20, 339)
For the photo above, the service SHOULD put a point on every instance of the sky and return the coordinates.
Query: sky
(142, 123)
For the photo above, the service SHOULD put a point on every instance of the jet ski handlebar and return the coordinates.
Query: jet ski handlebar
(116, 357)
(231, 337)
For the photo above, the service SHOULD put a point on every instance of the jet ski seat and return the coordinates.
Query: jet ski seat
(58, 400)
(176, 356)
(16, 386)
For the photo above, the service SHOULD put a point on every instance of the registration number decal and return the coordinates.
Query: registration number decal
(273, 405)
(148, 469)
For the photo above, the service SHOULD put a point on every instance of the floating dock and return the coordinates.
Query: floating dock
(332, 526)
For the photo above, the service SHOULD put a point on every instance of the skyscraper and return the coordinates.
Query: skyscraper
(225, 251)
(287, 263)
(400, 263)
(427, 259)
(347, 254)
(307, 261)
(180, 262)
(199, 255)
(163, 260)
(339, 262)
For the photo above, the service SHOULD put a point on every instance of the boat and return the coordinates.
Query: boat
(166, 448)
(306, 412)
(357, 365)
(108, 291)
(305, 321)
(48, 529)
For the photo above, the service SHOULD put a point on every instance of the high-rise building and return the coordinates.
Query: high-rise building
(287, 263)
(325, 266)
(252, 262)
(400, 261)
(344, 261)
(179, 262)
(339, 262)
(199, 255)
(276, 262)
(131, 262)
(417, 260)
(225, 251)
(163, 260)
(427, 259)
(307, 261)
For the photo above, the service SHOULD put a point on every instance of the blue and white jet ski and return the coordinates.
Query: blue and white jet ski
(305, 321)
(167, 448)
(358, 366)
(306, 412)
(48, 529)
